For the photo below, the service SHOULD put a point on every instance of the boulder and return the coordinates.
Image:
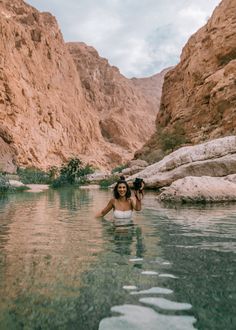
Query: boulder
(98, 176)
(138, 162)
(16, 183)
(215, 158)
(132, 170)
(200, 189)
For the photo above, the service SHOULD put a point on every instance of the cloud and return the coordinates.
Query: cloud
(139, 37)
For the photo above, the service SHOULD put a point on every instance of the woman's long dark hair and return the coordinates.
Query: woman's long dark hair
(115, 191)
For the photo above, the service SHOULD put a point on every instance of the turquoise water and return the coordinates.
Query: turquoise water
(61, 268)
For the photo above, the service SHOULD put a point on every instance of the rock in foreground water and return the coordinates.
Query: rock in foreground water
(200, 189)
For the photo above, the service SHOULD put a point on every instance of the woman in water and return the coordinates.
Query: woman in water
(122, 203)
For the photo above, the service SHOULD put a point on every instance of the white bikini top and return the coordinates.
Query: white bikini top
(119, 214)
(122, 214)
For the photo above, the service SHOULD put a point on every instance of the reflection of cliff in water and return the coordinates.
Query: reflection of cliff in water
(73, 199)
(198, 216)
(44, 250)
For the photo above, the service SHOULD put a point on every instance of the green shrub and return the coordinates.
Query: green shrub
(170, 140)
(119, 168)
(72, 172)
(107, 182)
(4, 183)
(32, 175)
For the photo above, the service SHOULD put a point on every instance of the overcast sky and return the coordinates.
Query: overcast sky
(140, 37)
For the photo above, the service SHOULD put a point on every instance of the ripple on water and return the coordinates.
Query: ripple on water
(143, 318)
(153, 290)
(149, 272)
(136, 259)
(168, 275)
(129, 287)
(165, 304)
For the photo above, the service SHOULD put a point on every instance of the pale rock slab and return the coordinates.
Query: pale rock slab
(214, 158)
(200, 189)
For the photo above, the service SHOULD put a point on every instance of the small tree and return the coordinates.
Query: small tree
(172, 139)
(73, 172)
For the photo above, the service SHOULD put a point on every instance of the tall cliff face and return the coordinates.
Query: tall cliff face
(199, 94)
(126, 110)
(47, 114)
(43, 112)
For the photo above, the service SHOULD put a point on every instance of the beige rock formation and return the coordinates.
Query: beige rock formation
(214, 158)
(46, 114)
(127, 108)
(200, 189)
(42, 107)
(134, 166)
(199, 94)
(152, 86)
(7, 157)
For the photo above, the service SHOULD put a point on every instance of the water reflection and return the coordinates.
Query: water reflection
(73, 199)
(61, 268)
(128, 240)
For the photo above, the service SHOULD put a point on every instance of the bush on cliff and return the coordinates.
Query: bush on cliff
(170, 140)
(73, 172)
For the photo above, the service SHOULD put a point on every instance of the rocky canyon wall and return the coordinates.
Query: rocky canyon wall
(199, 95)
(126, 108)
(56, 103)
(43, 114)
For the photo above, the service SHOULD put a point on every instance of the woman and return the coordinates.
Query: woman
(122, 203)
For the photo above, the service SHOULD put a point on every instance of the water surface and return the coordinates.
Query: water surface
(61, 268)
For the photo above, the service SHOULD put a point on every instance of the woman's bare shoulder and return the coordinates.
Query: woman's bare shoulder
(112, 201)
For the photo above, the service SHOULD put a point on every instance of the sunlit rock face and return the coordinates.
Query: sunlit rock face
(199, 94)
(46, 114)
(127, 108)
(216, 158)
(42, 106)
